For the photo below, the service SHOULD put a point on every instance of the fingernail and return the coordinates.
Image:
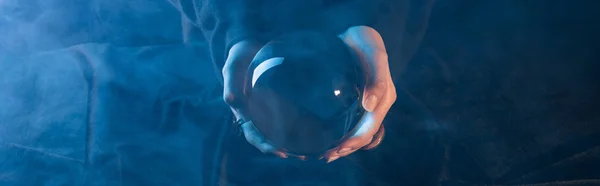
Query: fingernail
(303, 158)
(370, 103)
(332, 159)
(344, 150)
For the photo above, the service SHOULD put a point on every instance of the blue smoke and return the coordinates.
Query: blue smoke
(29, 26)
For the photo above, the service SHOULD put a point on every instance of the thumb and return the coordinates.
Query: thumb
(373, 94)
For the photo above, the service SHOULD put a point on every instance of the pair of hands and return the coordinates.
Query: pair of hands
(379, 93)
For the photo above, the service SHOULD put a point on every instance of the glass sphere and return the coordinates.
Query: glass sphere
(305, 91)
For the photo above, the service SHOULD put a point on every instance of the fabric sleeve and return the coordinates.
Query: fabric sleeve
(222, 23)
(341, 15)
(401, 23)
(239, 19)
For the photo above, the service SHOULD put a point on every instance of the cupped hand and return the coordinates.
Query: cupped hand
(379, 93)
(234, 93)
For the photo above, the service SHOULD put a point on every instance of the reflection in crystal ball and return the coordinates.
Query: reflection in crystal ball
(305, 92)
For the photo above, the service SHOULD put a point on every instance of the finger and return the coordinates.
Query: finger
(341, 151)
(371, 121)
(378, 76)
(370, 49)
(234, 74)
(336, 153)
(373, 93)
(377, 139)
(268, 148)
(257, 140)
(366, 129)
(300, 157)
(333, 158)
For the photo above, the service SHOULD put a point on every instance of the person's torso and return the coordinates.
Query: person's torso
(401, 23)
(514, 83)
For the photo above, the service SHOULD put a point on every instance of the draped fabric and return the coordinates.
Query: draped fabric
(125, 93)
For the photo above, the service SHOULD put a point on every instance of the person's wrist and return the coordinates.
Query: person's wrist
(238, 125)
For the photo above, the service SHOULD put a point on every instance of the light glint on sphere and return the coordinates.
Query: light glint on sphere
(336, 92)
(305, 93)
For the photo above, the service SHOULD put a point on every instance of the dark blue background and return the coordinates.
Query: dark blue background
(511, 84)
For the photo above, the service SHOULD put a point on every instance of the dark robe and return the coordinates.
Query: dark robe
(495, 92)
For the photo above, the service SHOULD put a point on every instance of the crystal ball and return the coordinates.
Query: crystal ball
(305, 91)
